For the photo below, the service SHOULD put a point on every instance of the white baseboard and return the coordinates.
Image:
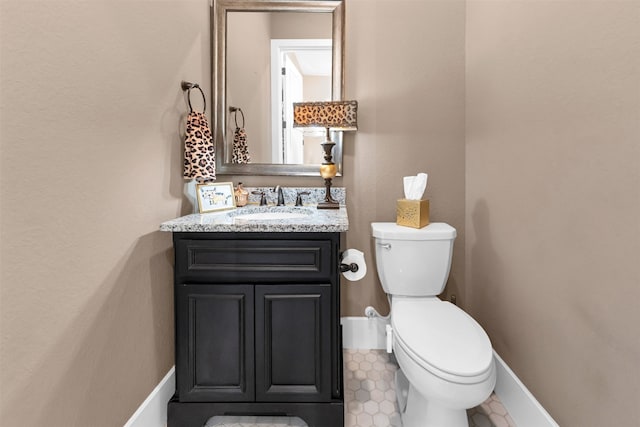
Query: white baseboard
(526, 411)
(153, 411)
(523, 407)
(365, 333)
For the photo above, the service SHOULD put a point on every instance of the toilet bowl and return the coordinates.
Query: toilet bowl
(445, 357)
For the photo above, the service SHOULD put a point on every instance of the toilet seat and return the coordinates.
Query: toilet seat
(442, 339)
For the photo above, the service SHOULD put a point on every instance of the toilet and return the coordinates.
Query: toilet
(445, 357)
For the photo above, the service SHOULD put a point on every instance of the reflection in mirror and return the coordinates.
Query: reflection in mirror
(300, 71)
(268, 55)
(273, 60)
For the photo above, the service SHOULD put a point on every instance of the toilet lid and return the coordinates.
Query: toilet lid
(393, 231)
(442, 336)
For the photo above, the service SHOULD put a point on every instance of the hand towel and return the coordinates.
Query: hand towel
(240, 148)
(240, 152)
(199, 152)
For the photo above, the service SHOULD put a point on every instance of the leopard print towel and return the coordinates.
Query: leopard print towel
(240, 148)
(199, 152)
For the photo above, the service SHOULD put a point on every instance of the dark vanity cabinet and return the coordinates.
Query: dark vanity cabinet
(257, 327)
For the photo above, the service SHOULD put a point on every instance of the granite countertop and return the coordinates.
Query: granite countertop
(311, 220)
(317, 221)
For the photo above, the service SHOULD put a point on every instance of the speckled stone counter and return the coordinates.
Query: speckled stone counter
(311, 220)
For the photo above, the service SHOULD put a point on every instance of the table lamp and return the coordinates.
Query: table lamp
(331, 115)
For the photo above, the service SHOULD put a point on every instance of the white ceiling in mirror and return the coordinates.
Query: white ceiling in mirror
(314, 63)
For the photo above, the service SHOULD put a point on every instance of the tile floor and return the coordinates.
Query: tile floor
(370, 399)
(370, 396)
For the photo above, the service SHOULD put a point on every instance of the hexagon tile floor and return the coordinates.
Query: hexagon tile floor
(370, 399)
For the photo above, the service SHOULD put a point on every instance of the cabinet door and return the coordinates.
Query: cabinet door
(214, 343)
(293, 343)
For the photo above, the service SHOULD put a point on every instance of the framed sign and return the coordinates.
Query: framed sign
(215, 196)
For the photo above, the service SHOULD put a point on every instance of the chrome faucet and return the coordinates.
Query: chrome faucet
(278, 189)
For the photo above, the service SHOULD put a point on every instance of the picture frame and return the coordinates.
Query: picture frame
(214, 197)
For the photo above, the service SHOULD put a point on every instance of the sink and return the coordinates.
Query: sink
(274, 213)
(271, 215)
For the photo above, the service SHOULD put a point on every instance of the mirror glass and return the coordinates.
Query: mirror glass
(268, 55)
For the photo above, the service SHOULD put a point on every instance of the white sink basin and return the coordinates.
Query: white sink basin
(271, 215)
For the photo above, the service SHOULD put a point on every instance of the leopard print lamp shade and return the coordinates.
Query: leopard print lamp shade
(335, 115)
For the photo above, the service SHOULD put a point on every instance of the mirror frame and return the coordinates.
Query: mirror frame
(219, 10)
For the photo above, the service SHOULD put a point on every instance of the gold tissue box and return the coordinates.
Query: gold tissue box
(412, 213)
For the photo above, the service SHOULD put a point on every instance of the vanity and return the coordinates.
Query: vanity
(257, 315)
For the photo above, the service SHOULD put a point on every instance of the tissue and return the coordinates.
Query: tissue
(354, 256)
(414, 186)
(413, 211)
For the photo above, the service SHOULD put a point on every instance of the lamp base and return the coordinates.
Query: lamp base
(329, 202)
(328, 205)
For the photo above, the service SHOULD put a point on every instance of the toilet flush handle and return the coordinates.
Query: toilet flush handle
(386, 246)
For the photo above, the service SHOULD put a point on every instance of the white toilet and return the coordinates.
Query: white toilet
(445, 357)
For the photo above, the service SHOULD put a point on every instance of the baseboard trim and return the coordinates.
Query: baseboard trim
(523, 407)
(526, 411)
(153, 411)
(365, 333)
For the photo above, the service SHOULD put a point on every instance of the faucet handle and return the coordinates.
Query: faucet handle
(299, 197)
(263, 199)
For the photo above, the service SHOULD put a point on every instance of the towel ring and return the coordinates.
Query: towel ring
(235, 110)
(187, 86)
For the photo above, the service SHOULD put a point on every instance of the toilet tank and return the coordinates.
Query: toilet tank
(413, 262)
